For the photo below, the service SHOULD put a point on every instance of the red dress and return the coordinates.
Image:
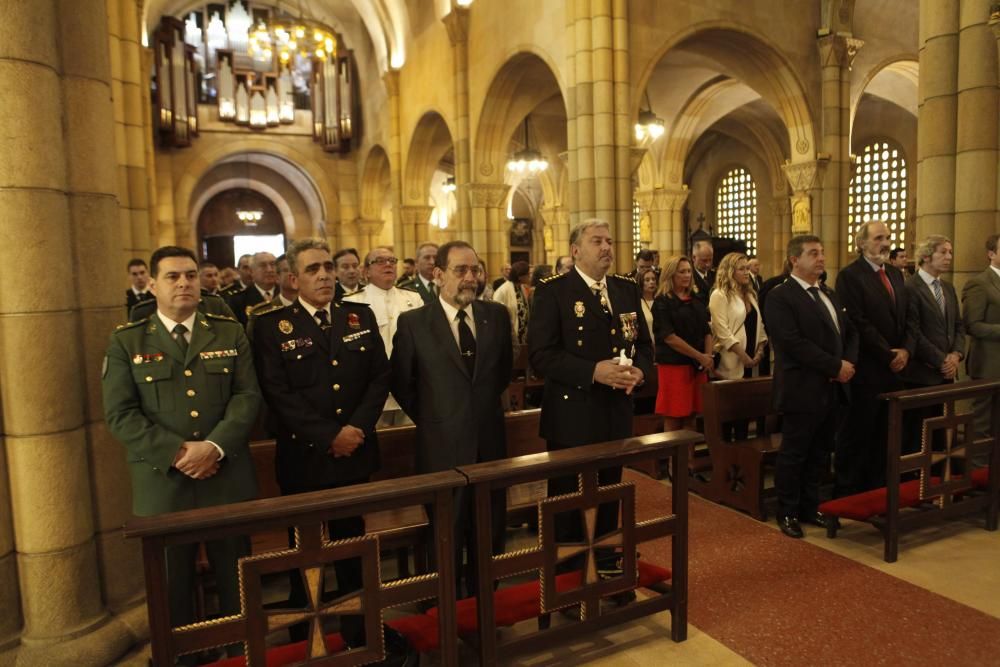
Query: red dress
(679, 391)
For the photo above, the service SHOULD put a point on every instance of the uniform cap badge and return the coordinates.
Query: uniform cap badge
(353, 321)
(285, 327)
(579, 308)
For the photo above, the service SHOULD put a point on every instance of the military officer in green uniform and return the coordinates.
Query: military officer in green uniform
(180, 393)
(207, 303)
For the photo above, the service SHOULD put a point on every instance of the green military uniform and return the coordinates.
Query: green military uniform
(156, 397)
(207, 303)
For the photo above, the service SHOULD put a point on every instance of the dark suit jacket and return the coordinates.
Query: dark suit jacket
(880, 321)
(131, 299)
(315, 382)
(765, 289)
(934, 334)
(243, 302)
(808, 350)
(981, 304)
(567, 335)
(459, 417)
(704, 286)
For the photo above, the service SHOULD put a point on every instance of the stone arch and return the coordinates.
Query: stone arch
(745, 55)
(287, 216)
(194, 166)
(430, 141)
(895, 79)
(375, 182)
(522, 83)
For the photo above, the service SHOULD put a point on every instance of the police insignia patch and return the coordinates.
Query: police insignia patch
(285, 327)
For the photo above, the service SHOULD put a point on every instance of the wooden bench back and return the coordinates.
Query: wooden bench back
(735, 400)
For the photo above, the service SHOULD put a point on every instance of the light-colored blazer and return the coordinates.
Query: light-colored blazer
(981, 307)
(728, 317)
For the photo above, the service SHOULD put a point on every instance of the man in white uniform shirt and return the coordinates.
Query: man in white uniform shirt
(387, 301)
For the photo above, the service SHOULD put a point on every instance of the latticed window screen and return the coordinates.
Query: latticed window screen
(736, 208)
(636, 226)
(878, 190)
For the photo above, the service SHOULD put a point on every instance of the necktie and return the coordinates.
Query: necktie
(267, 295)
(938, 295)
(432, 288)
(598, 289)
(885, 282)
(814, 293)
(178, 336)
(466, 342)
(323, 319)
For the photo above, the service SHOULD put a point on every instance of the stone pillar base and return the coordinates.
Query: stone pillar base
(100, 646)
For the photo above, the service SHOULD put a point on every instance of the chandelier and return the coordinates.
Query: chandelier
(527, 160)
(649, 125)
(288, 37)
(249, 218)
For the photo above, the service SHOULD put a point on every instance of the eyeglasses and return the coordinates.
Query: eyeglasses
(384, 261)
(460, 271)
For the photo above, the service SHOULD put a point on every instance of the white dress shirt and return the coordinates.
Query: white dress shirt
(312, 310)
(590, 285)
(267, 294)
(451, 312)
(823, 297)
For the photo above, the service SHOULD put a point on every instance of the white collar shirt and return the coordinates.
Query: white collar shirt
(171, 325)
(312, 310)
(822, 296)
(452, 314)
(591, 282)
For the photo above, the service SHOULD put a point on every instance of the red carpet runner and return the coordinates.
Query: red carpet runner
(778, 601)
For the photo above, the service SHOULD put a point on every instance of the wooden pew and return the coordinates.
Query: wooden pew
(945, 488)
(737, 477)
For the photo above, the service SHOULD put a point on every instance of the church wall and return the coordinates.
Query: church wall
(726, 154)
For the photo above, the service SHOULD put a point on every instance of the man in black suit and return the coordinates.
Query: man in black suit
(347, 264)
(451, 361)
(581, 322)
(245, 277)
(703, 255)
(138, 273)
(423, 281)
(325, 377)
(874, 293)
(815, 347)
(755, 278)
(264, 274)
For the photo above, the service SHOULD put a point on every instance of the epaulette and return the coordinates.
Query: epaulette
(225, 318)
(265, 307)
(554, 276)
(628, 278)
(130, 325)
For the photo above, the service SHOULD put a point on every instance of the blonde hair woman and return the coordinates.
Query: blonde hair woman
(736, 323)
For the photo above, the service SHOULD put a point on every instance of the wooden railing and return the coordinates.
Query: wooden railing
(309, 512)
(949, 488)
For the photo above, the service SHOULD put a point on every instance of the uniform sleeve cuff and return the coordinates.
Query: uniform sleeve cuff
(222, 454)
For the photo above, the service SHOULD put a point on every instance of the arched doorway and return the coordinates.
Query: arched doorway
(239, 221)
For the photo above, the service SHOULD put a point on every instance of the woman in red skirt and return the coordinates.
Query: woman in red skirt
(683, 344)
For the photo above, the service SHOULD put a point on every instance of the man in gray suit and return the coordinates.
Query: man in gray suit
(451, 361)
(938, 344)
(937, 340)
(981, 305)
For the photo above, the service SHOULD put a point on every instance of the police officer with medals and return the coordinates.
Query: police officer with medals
(589, 340)
(325, 378)
(181, 395)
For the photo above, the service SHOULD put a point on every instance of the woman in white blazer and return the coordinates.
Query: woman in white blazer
(736, 322)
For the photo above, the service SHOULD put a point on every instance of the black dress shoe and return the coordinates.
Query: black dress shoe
(789, 525)
(623, 598)
(822, 520)
(398, 652)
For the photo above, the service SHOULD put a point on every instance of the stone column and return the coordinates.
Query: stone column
(166, 226)
(369, 230)
(457, 23)
(621, 217)
(555, 233)
(413, 229)
(805, 179)
(391, 80)
(65, 474)
(673, 203)
(976, 139)
(128, 93)
(782, 211)
(936, 117)
(837, 52)
(489, 236)
(995, 26)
